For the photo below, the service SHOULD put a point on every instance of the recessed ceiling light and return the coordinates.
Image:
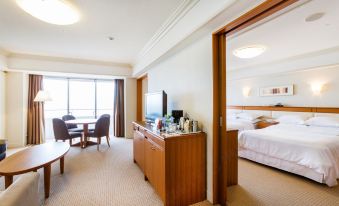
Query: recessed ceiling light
(248, 52)
(314, 17)
(58, 12)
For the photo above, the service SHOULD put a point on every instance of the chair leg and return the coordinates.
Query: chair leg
(70, 142)
(107, 138)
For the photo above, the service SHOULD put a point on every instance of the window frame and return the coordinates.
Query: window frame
(68, 79)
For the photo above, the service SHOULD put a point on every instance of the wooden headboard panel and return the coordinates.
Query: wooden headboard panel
(288, 109)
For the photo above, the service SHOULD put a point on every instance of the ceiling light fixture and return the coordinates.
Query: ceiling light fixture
(58, 12)
(314, 17)
(248, 52)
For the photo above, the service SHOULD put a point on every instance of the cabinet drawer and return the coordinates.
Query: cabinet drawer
(155, 139)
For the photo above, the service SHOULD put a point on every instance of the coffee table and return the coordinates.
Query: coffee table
(32, 159)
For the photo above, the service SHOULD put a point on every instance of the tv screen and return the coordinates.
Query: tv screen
(156, 105)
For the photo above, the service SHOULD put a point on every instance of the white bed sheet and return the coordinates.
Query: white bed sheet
(240, 124)
(316, 148)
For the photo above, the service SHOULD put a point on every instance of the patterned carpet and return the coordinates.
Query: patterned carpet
(264, 186)
(110, 177)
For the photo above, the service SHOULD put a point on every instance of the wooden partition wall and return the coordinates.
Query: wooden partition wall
(288, 109)
(262, 11)
(140, 97)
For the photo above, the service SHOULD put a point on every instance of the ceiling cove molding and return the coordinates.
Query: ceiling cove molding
(278, 74)
(318, 53)
(68, 60)
(322, 58)
(175, 17)
(33, 63)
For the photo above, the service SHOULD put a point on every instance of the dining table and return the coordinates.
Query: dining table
(84, 123)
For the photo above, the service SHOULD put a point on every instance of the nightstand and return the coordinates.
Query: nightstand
(264, 124)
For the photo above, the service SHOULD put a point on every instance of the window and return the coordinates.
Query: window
(82, 98)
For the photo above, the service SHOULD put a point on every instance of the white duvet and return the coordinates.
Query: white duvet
(240, 124)
(316, 148)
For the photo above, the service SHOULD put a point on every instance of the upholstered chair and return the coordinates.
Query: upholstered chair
(62, 133)
(71, 127)
(101, 129)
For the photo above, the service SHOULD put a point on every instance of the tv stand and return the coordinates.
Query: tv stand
(174, 165)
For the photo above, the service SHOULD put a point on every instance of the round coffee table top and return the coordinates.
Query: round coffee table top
(81, 121)
(33, 158)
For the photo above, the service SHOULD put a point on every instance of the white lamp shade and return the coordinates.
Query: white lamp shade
(42, 96)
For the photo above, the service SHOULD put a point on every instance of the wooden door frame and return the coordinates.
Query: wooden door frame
(139, 96)
(260, 12)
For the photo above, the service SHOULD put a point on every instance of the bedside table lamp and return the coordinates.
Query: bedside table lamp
(43, 96)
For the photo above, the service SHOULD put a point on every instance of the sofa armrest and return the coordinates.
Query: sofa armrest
(24, 191)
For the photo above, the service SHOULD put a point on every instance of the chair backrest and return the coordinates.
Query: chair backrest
(60, 129)
(106, 115)
(102, 126)
(69, 117)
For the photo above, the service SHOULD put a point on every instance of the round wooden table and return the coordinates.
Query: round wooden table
(32, 159)
(84, 123)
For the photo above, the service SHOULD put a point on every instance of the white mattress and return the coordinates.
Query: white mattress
(240, 124)
(314, 148)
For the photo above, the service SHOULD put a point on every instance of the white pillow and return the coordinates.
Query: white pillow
(248, 116)
(231, 116)
(291, 119)
(323, 121)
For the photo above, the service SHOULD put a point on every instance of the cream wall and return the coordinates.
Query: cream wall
(16, 108)
(3, 65)
(2, 104)
(186, 77)
(302, 81)
(130, 105)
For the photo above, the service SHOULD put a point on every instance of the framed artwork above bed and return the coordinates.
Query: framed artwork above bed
(287, 90)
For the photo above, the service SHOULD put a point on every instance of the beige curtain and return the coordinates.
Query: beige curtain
(119, 110)
(35, 117)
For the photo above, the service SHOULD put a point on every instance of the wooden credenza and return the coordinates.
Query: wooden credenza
(175, 166)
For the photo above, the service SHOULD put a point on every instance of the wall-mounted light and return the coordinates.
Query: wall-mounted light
(317, 88)
(246, 91)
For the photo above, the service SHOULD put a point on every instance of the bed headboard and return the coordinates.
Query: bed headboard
(331, 110)
(276, 112)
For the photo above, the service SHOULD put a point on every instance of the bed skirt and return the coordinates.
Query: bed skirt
(281, 164)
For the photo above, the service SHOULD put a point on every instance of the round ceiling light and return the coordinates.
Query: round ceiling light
(314, 17)
(58, 12)
(248, 52)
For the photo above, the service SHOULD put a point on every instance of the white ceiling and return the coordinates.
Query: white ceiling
(131, 22)
(289, 36)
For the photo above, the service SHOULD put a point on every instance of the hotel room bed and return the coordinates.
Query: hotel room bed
(309, 151)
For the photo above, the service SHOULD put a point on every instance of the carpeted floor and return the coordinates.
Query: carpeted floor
(262, 185)
(109, 177)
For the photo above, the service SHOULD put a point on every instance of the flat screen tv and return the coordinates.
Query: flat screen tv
(155, 105)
